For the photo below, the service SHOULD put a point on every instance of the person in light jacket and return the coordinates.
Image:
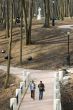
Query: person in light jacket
(32, 89)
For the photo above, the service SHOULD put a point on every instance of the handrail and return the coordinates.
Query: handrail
(57, 94)
(20, 92)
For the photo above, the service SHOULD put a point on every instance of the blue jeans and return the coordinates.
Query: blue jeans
(40, 95)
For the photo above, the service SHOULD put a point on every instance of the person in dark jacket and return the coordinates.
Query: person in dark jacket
(41, 90)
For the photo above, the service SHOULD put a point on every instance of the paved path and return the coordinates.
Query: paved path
(48, 78)
(47, 102)
(66, 26)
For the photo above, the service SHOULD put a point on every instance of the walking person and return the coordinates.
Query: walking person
(41, 90)
(32, 89)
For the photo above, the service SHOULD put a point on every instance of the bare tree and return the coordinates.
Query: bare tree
(62, 9)
(10, 43)
(47, 13)
(7, 18)
(21, 34)
(28, 20)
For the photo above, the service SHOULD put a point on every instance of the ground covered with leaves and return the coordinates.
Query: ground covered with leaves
(6, 94)
(67, 94)
(49, 48)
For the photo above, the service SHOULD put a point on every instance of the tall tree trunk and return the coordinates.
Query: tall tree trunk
(71, 8)
(7, 18)
(47, 13)
(25, 18)
(28, 23)
(10, 44)
(30, 20)
(62, 9)
(21, 34)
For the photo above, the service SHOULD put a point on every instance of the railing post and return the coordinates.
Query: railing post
(57, 95)
(61, 72)
(13, 105)
(18, 95)
(15, 102)
(22, 87)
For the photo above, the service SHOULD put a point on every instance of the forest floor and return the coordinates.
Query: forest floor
(6, 94)
(49, 48)
(67, 94)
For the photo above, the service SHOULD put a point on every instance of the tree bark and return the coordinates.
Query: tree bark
(47, 13)
(28, 20)
(25, 18)
(10, 44)
(62, 9)
(21, 34)
(7, 18)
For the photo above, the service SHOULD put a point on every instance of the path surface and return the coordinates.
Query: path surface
(47, 102)
(66, 26)
(48, 78)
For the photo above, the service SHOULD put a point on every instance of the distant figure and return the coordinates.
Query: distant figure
(39, 14)
(32, 89)
(41, 90)
(17, 20)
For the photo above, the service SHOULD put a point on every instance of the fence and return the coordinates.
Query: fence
(57, 94)
(20, 92)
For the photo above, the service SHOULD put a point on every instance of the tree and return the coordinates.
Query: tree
(71, 8)
(62, 9)
(21, 34)
(7, 18)
(10, 43)
(28, 20)
(47, 13)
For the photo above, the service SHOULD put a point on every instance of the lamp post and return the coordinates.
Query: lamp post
(68, 56)
(53, 20)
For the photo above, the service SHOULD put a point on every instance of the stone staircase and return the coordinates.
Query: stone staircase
(47, 77)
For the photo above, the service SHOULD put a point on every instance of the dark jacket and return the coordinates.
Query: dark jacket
(41, 87)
